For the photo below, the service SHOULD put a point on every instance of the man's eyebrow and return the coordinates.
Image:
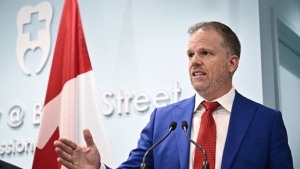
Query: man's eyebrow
(205, 49)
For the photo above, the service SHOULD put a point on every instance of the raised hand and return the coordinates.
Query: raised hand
(74, 156)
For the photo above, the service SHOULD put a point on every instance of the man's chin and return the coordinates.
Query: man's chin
(200, 89)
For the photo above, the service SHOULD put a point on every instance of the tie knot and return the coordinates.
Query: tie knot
(210, 105)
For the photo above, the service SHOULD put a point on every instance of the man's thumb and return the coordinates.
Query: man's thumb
(88, 138)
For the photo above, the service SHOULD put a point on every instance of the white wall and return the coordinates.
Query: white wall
(289, 93)
(280, 86)
(136, 46)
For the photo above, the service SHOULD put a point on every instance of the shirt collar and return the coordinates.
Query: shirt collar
(226, 101)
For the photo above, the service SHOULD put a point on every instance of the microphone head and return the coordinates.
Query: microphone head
(184, 125)
(173, 125)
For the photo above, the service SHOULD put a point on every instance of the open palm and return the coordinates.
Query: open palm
(74, 156)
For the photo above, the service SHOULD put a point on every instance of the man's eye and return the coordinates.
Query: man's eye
(205, 53)
(190, 55)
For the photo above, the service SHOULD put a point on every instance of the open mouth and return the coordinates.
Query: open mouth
(199, 73)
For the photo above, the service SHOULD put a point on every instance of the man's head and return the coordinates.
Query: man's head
(213, 52)
(230, 41)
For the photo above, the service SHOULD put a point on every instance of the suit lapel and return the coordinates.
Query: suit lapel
(183, 111)
(240, 119)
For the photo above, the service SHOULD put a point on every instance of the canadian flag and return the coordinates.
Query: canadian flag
(71, 102)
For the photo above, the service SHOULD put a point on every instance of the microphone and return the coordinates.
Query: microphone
(172, 127)
(184, 126)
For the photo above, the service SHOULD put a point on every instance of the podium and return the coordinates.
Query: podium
(5, 165)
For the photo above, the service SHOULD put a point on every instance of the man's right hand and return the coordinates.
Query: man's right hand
(74, 156)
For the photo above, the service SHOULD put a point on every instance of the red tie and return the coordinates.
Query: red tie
(207, 137)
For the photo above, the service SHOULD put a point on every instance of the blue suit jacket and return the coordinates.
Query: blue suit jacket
(256, 138)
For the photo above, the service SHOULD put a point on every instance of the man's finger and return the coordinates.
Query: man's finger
(63, 155)
(88, 138)
(65, 163)
(68, 142)
(63, 147)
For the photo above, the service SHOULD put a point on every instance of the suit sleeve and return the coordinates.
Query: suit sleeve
(280, 153)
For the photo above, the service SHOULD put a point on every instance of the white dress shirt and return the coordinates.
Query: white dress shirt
(221, 116)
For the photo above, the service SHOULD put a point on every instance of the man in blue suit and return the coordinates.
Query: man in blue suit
(248, 135)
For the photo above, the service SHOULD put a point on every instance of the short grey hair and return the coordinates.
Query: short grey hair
(230, 41)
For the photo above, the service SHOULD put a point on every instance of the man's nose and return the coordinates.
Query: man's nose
(196, 60)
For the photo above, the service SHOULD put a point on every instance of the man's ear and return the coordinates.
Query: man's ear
(233, 63)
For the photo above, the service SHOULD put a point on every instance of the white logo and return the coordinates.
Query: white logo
(15, 115)
(26, 40)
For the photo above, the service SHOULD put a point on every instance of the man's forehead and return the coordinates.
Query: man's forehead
(205, 36)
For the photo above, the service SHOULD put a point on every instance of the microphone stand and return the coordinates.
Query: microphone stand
(172, 127)
(205, 164)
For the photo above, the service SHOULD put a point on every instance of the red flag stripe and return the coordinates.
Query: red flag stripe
(46, 160)
(70, 60)
(70, 41)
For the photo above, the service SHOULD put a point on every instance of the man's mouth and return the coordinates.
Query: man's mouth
(199, 73)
